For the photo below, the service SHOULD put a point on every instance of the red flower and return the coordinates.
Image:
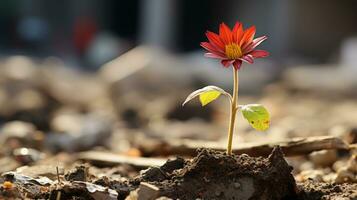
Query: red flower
(234, 46)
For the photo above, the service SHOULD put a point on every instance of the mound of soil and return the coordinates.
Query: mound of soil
(216, 175)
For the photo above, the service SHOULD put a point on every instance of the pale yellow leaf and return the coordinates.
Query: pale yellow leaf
(209, 96)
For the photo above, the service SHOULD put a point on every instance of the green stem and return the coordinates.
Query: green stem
(234, 108)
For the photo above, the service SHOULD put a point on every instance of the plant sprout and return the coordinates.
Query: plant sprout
(233, 47)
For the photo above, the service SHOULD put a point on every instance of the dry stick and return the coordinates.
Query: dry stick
(292, 147)
(58, 197)
(111, 159)
(58, 178)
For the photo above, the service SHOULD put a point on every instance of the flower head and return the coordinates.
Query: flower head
(234, 46)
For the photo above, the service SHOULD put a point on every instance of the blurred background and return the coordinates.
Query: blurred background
(75, 75)
(88, 33)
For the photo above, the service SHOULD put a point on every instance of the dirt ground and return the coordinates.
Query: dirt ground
(67, 134)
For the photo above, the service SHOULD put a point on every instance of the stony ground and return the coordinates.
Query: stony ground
(72, 134)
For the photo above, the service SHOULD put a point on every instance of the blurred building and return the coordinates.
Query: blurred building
(90, 32)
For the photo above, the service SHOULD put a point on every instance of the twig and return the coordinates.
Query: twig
(58, 177)
(111, 159)
(292, 147)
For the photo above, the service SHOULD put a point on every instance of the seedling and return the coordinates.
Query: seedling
(233, 47)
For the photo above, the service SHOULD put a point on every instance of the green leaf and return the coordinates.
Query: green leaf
(206, 94)
(257, 116)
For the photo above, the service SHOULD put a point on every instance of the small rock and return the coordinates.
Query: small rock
(346, 172)
(147, 191)
(19, 68)
(339, 164)
(27, 155)
(345, 176)
(79, 173)
(18, 134)
(323, 158)
(329, 178)
(316, 175)
(352, 164)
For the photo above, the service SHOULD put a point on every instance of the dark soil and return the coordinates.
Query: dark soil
(210, 175)
(312, 190)
(215, 175)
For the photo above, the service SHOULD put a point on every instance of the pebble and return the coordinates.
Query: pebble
(17, 129)
(27, 155)
(323, 158)
(148, 191)
(339, 164)
(344, 175)
(329, 178)
(316, 175)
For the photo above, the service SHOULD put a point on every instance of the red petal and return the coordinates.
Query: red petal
(211, 48)
(257, 41)
(225, 33)
(215, 40)
(237, 32)
(213, 55)
(237, 64)
(259, 53)
(227, 63)
(248, 36)
(248, 58)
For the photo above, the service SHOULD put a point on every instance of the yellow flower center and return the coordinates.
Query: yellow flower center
(233, 51)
